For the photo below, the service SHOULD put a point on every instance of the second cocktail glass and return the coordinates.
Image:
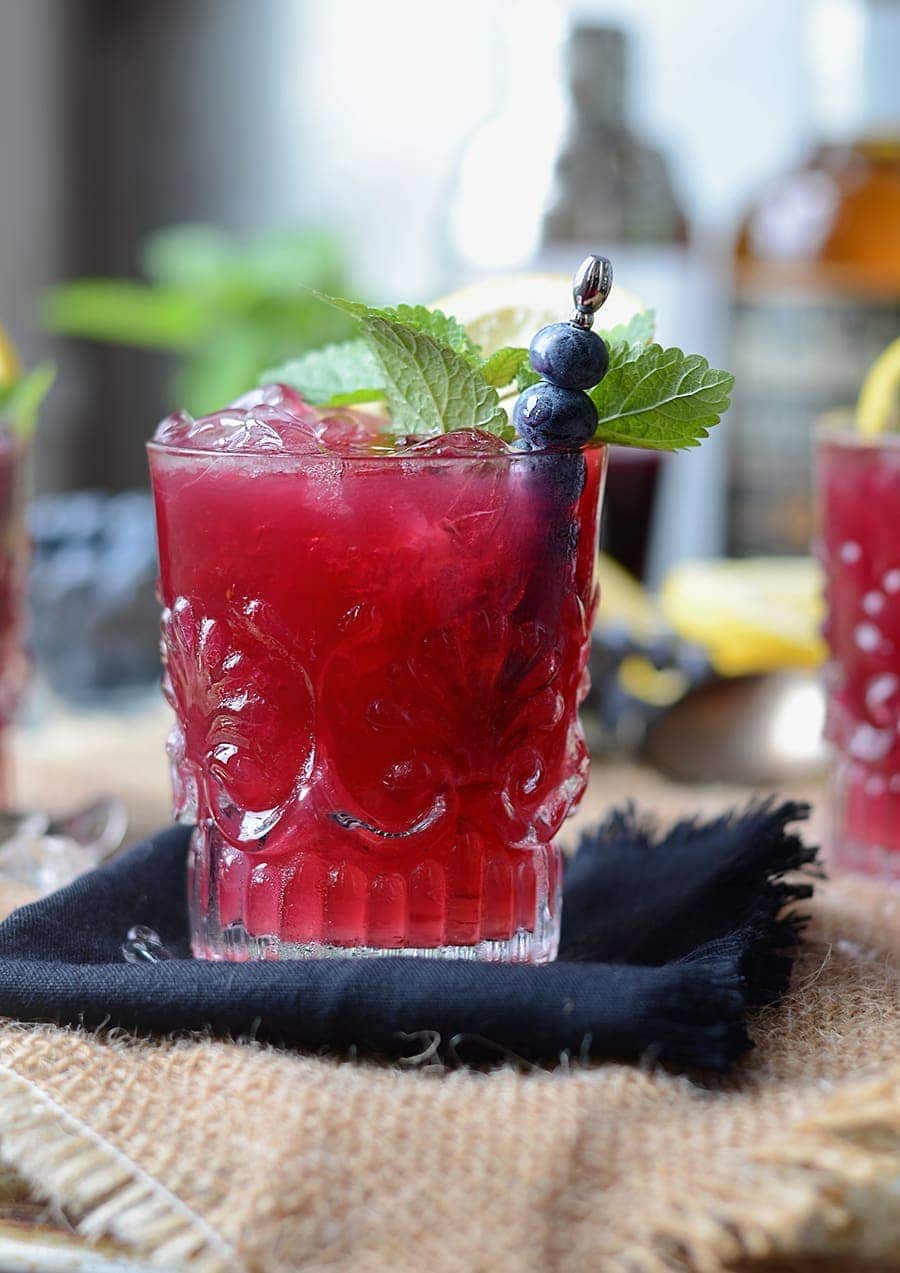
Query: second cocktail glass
(859, 547)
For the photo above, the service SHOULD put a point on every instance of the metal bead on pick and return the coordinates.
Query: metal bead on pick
(590, 288)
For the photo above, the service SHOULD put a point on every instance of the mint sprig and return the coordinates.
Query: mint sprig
(658, 398)
(504, 365)
(21, 399)
(334, 375)
(347, 373)
(441, 326)
(430, 387)
(435, 380)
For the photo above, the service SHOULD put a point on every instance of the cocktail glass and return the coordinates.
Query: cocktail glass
(858, 543)
(375, 653)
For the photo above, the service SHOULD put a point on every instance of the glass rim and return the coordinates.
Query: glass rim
(851, 440)
(296, 459)
(838, 425)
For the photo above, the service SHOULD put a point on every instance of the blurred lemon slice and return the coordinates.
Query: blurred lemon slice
(751, 616)
(878, 405)
(625, 602)
(10, 367)
(508, 309)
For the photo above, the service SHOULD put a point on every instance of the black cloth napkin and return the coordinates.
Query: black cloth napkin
(666, 943)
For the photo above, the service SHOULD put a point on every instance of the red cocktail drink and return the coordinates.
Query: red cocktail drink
(859, 545)
(375, 649)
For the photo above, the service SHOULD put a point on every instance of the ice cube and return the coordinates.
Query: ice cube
(344, 431)
(272, 418)
(461, 444)
(276, 395)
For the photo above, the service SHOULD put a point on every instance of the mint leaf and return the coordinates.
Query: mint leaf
(431, 321)
(441, 326)
(334, 375)
(525, 376)
(21, 401)
(354, 397)
(429, 386)
(504, 365)
(659, 398)
(637, 331)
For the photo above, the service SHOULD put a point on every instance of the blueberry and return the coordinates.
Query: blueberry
(569, 356)
(546, 415)
(555, 481)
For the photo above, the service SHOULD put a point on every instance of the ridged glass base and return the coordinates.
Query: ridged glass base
(868, 859)
(236, 944)
(865, 822)
(299, 907)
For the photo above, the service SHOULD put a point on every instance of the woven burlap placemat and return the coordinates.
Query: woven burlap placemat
(231, 1156)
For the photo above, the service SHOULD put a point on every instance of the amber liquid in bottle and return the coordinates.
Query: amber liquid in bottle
(816, 276)
(817, 297)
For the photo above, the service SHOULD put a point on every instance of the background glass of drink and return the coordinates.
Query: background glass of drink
(629, 504)
(376, 663)
(858, 544)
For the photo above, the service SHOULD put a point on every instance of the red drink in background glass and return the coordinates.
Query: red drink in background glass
(629, 504)
(859, 546)
(375, 653)
(14, 552)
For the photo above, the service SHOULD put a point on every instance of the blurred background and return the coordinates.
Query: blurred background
(740, 164)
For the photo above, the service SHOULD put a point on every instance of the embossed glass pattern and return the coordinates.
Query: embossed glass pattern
(375, 664)
(859, 547)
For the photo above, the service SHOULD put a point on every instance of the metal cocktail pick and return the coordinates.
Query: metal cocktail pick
(591, 285)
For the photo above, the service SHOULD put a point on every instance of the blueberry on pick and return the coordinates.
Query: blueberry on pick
(569, 357)
(546, 415)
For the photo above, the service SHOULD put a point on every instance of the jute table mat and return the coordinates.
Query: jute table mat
(230, 1156)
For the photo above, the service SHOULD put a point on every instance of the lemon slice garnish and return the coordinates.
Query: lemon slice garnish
(508, 309)
(757, 615)
(878, 405)
(10, 367)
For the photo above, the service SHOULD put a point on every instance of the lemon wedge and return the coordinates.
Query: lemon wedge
(754, 615)
(878, 405)
(10, 367)
(508, 309)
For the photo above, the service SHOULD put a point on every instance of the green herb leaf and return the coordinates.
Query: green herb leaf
(637, 331)
(659, 398)
(334, 375)
(441, 326)
(504, 365)
(127, 313)
(431, 321)
(20, 401)
(525, 376)
(429, 386)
